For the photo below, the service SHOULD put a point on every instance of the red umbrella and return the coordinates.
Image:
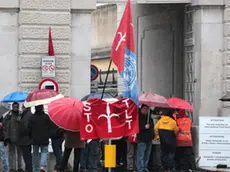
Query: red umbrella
(153, 100)
(41, 97)
(66, 113)
(178, 103)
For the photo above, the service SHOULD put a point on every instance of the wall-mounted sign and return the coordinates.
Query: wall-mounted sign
(48, 83)
(48, 67)
(94, 72)
(214, 141)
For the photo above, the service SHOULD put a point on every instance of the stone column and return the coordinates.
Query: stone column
(35, 17)
(208, 47)
(81, 47)
(8, 47)
(81, 53)
(226, 62)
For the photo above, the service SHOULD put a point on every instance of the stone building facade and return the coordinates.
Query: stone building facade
(192, 36)
(24, 39)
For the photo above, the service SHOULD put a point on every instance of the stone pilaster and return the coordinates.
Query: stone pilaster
(208, 49)
(81, 53)
(35, 17)
(226, 58)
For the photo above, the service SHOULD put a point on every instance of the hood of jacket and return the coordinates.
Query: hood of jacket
(166, 119)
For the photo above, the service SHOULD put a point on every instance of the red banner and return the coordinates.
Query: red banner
(101, 119)
(132, 139)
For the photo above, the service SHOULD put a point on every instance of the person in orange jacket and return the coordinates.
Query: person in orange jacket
(166, 130)
(185, 158)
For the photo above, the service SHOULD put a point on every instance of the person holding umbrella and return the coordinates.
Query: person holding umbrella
(39, 125)
(185, 159)
(144, 138)
(66, 113)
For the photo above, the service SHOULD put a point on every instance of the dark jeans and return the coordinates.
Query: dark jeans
(94, 156)
(84, 157)
(57, 149)
(143, 153)
(27, 156)
(65, 158)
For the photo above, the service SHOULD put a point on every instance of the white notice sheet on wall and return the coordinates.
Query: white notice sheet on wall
(214, 141)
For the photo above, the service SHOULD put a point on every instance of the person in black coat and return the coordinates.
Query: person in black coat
(24, 140)
(39, 129)
(144, 138)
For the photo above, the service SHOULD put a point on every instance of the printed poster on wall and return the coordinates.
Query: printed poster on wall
(214, 141)
(48, 67)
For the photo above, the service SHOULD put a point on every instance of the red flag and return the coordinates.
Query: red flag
(124, 38)
(103, 120)
(50, 46)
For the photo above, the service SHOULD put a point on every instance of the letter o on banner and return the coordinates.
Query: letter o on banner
(110, 156)
(89, 128)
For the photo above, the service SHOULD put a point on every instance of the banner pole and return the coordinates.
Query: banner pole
(110, 169)
(110, 156)
(106, 79)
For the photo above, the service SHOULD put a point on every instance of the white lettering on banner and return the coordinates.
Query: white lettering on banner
(87, 106)
(87, 116)
(126, 102)
(127, 117)
(87, 113)
(214, 141)
(88, 128)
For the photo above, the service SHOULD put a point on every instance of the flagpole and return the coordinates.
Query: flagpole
(106, 79)
(103, 91)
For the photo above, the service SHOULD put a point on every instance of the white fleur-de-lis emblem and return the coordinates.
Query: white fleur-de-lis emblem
(108, 116)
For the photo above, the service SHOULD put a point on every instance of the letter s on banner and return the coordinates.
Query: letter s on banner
(87, 127)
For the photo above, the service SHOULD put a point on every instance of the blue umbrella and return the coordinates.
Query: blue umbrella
(15, 97)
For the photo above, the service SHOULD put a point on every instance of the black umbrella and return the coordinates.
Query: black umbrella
(97, 95)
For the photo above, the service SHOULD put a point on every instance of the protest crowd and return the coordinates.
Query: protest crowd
(134, 123)
(25, 134)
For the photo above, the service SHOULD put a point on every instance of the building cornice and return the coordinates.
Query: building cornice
(16, 10)
(86, 11)
(208, 2)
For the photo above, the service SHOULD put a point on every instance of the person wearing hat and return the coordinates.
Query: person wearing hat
(144, 138)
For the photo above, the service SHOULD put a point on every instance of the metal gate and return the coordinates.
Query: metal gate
(189, 68)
